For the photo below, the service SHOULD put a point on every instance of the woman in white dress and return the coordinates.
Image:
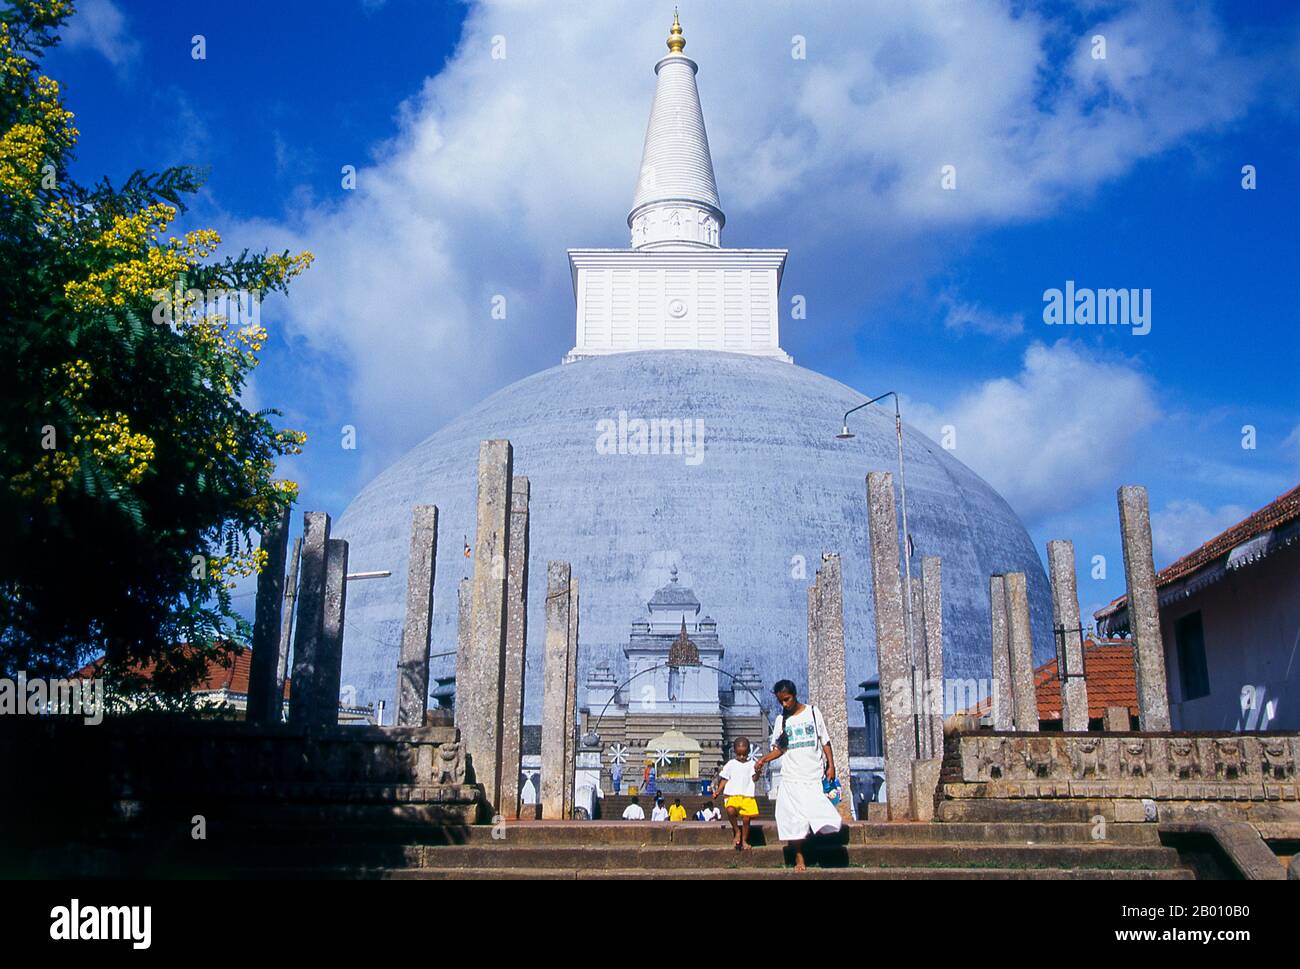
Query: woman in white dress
(800, 740)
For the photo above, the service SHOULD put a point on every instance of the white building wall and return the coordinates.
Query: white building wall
(1251, 623)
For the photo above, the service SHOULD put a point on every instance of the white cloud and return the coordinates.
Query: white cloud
(1291, 446)
(100, 26)
(500, 164)
(970, 316)
(1055, 435)
(1182, 526)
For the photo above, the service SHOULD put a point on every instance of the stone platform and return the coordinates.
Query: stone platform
(1182, 775)
(1233, 800)
(123, 797)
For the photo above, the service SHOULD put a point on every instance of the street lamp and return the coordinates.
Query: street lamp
(844, 435)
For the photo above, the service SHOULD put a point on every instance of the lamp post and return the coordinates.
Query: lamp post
(844, 435)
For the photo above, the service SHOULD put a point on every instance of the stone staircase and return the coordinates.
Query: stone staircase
(861, 852)
(404, 848)
(975, 840)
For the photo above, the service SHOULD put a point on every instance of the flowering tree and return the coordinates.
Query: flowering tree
(131, 475)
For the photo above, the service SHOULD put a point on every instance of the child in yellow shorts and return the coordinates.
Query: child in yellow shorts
(736, 779)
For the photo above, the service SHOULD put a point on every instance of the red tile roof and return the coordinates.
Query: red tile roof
(1279, 511)
(1112, 682)
(233, 678)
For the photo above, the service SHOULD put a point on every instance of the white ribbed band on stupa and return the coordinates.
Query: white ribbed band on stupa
(676, 201)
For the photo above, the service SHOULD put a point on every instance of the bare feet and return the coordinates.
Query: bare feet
(746, 846)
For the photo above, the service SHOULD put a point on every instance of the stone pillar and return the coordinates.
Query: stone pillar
(1003, 706)
(919, 669)
(571, 704)
(1116, 720)
(479, 681)
(512, 705)
(329, 667)
(1021, 642)
(286, 622)
(932, 607)
(263, 701)
(463, 593)
(311, 617)
(555, 689)
(1143, 608)
(891, 645)
(827, 672)
(1065, 619)
(814, 647)
(413, 665)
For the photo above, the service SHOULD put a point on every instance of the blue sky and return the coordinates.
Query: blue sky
(475, 173)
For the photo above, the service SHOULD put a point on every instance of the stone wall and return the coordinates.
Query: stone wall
(147, 762)
(1159, 766)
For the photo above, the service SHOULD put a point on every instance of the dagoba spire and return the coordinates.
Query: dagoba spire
(676, 288)
(676, 202)
(676, 41)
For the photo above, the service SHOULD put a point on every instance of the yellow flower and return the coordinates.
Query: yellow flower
(22, 154)
(130, 233)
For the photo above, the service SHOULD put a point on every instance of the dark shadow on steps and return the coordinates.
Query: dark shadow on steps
(823, 850)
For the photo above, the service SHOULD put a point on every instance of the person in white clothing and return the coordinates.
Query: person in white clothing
(800, 740)
(736, 784)
(709, 812)
(633, 812)
(659, 812)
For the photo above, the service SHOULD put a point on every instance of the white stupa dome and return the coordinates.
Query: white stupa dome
(678, 329)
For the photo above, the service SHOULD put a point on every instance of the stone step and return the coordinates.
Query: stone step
(775, 874)
(1027, 810)
(1053, 833)
(653, 857)
(580, 833)
(182, 857)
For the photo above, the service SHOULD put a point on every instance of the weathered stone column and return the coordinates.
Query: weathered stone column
(827, 672)
(932, 602)
(571, 704)
(512, 705)
(814, 647)
(1021, 652)
(329, 666)
(1003, 705)
(263, 702)
(1065, 619)
(413, 664)
(1143, 608)
(463, 594)
(899, 728)
(311, 617)
(1116, 720)
(479, 680)
(555, 689)
(286, 623)
(919, 668)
